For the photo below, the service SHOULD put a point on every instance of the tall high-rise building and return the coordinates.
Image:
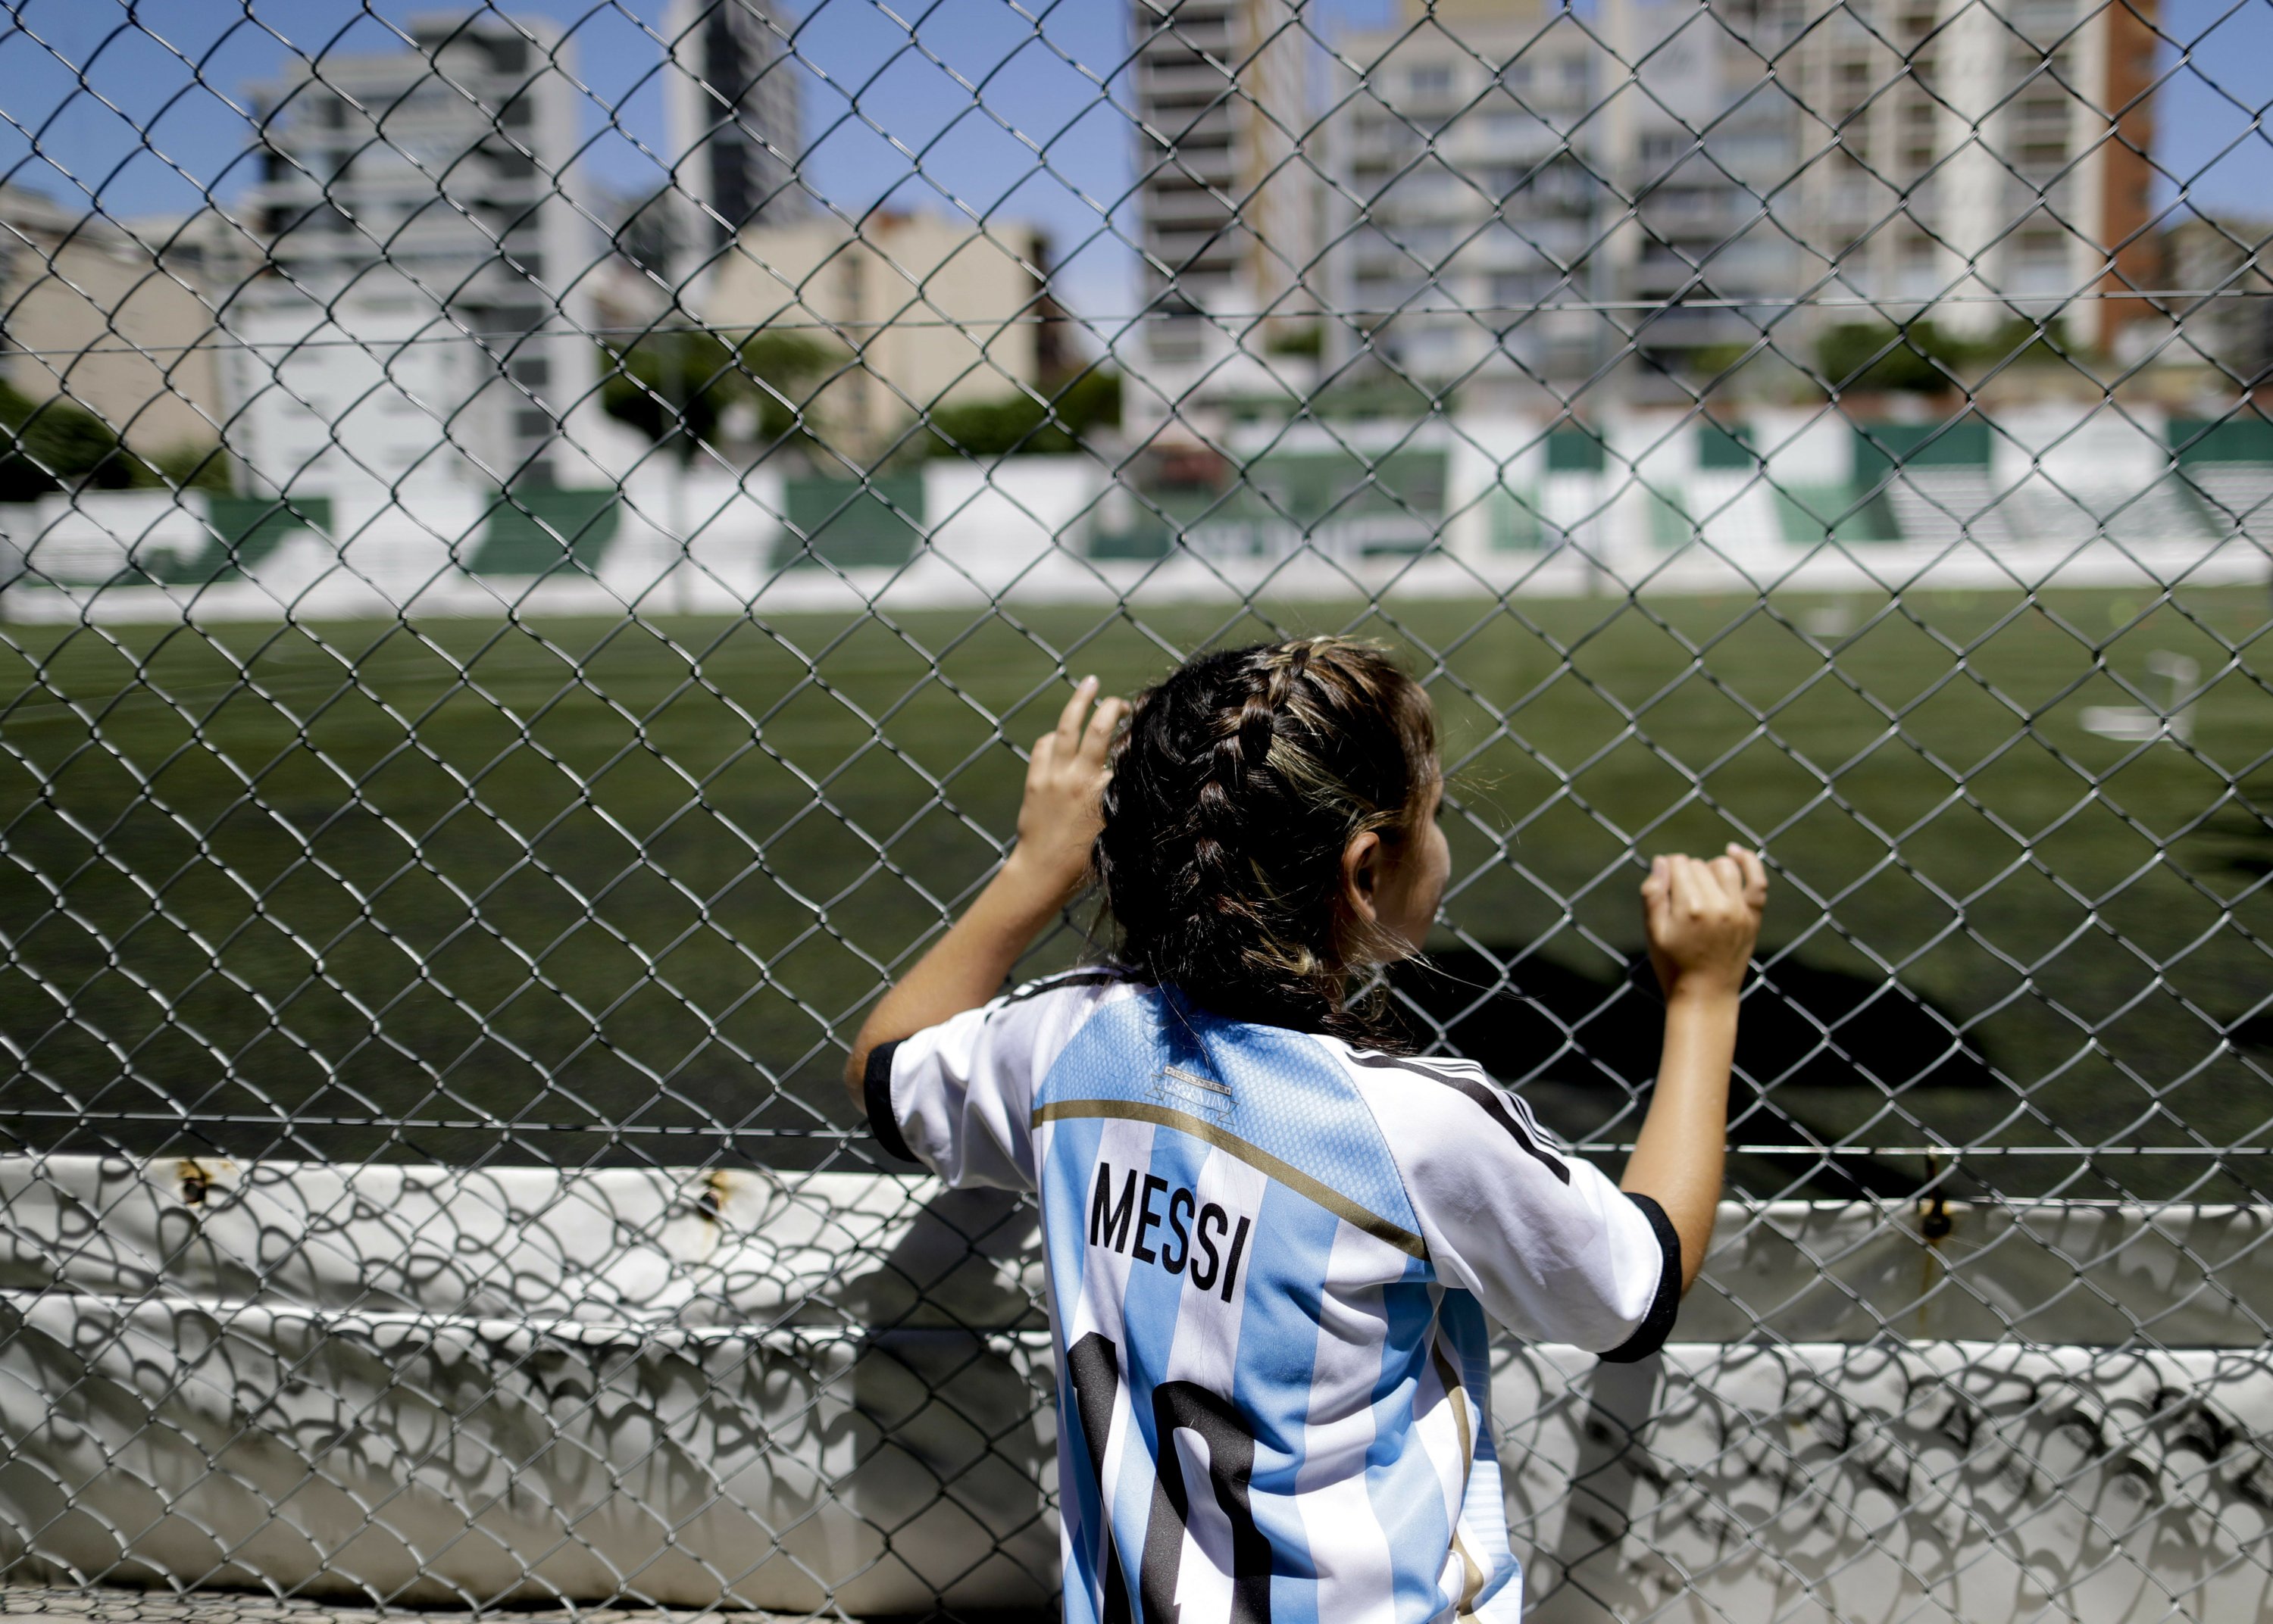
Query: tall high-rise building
(1523, 197)
(1978, 163)
(1226, 194)
(733, 106)
(420, 314)
(1466, 204)
(1701, 148)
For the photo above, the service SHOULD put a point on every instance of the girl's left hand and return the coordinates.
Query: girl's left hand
(1059, 817)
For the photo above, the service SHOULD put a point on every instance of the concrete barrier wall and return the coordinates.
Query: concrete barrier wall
(798, 1391)
(1021, 529)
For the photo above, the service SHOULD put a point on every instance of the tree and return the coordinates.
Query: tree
(1019, 425)
(190, 467)
(788, 369)
(1921, 358)
(677, 384)
(49, 444)
(1916, 358)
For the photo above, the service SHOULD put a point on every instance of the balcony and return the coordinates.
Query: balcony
(1384, 140)
(1185, 169)
(1203, 253)
(1181, 209)
(1196, 126)
(1181, 80)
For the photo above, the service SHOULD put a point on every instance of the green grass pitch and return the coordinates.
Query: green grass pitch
(601, 891)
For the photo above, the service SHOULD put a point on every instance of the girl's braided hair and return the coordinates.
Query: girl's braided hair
(1234, 788)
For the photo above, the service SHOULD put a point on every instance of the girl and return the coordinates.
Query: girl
(1272, 1242)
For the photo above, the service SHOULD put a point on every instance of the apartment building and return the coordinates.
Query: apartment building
(1701, 146)
(1979, 163)
(114, 317)
(920, 310)
(422, 313)
(1467, 201)
(1523, 199)
(732, 101)
(1227, 190)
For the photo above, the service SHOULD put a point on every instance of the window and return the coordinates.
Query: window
(1178, 340)
(426, 98)
(1431, 189)
(1514, 291)
(1434, 80)
(1430, 244)
(509, 55)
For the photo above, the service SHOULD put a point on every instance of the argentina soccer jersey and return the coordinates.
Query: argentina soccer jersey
(1269, 1315)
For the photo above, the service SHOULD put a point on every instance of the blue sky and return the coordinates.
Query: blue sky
(940, 105)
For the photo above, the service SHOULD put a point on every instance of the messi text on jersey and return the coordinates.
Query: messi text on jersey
(1168, 1226)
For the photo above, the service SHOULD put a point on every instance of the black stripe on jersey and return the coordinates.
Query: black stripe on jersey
(1068, 978)
(1094, 1365)
(876, 1091)
(1657, 1324)
(1508, 1113)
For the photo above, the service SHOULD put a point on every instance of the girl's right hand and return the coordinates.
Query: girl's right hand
(1703, 919)
(1059, 817)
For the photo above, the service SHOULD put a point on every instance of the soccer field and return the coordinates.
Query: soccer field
(597, 891)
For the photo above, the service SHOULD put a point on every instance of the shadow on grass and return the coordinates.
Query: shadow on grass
(1583, 1048)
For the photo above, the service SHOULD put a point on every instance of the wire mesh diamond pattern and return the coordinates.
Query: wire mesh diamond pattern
(532, 540)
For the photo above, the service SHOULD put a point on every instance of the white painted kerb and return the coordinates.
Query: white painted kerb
(789, 1391)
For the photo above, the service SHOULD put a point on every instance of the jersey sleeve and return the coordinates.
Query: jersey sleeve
(958, 1097)
(1550, 1247)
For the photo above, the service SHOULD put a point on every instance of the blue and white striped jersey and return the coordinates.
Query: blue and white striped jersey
(1271, 1255)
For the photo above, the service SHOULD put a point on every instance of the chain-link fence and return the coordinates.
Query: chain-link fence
(534, 538)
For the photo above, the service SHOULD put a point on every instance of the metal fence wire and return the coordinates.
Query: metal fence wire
(534, 538)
